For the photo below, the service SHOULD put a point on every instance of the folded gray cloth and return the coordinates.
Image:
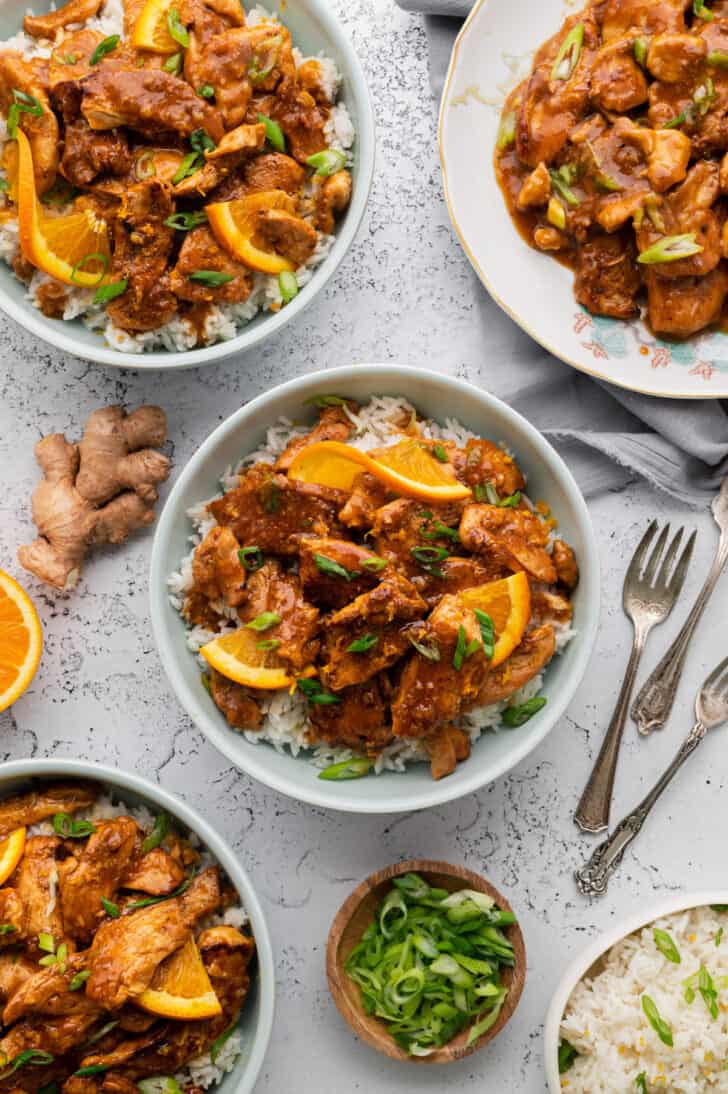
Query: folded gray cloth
(680, 446)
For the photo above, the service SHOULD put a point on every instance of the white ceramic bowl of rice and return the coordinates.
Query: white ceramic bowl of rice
(598, 1007)
(86, 330)
(278, 756)
(240, 1059)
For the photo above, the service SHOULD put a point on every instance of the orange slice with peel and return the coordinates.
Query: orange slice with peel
(21, 640)
(73, 248)
(151, 31)
(245, 657)
(234, 226)
(508, 603)
(407, 468)
(181, 988)
(11, 852)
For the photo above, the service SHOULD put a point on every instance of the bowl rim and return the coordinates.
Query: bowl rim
(218, 735)
(248, 337)
(47, 767)
(335, 972)
(680, 902)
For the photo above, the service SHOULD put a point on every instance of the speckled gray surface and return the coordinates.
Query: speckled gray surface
(405, 293)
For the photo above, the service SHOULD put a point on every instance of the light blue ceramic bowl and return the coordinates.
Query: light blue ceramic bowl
(256, 1020)
(438, 397)
(314, 29)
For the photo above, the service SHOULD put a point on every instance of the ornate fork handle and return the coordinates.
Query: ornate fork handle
(593, 878)
(652, 707)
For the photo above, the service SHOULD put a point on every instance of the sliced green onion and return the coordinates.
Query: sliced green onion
(463, 648)
(189, 166)
(671, 249)
(375, 564)
(355, 768)
(719, 936)
(105, 293)
(4, 184)
(251, 558)
(519, 715)
(67, 59)
(428, 649)
(639, 48)
(704, 97)
(206, 682)
(268, 644)
(7, 928)
(107, 1028)
(287, 286)
(328, 162)
(34, 1056)
(173, 64)
(315, 693)
(561, 185)
(438, 451)
(46, 942)
(95, 257)
(702, 11)
(718, 57)
(487, 632)
(64, 825)
(207, 91)
(323, 401)
(79, 980)
(22, 103)
(108, 45)
(660, 1027)
(333, 569)
(438, 529)
(221, 1040)
(92, 1069)
(273, 133)
(185, 222)
(506, 131)
(708, 991)
(666, 945)
(167, 1084)
(568, 56)
(212, 278)
(110, 908)
(148, 901)
(364, 644)
(556, 214)
(676, 121)
(158, 834)
(201, 141)
(264, 621)
(641, 1082)
(428, 555)
(176, 29)
(144, 167)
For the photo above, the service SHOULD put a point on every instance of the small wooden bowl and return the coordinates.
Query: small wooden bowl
(354, 917)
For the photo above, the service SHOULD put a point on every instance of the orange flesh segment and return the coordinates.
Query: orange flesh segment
(181, 987)
(233, 224)
(508, 603)
(151, 31)
(238, 657)
(11, 852)
(21, 640)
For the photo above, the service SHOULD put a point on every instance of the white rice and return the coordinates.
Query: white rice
(285, 722)
(605, 1022)
(224, 321)
(201, 1071)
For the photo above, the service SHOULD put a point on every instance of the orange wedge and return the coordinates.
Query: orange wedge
(11, 852)
(407, 468)
(181, 988)
(508, 603)
(21, 640)
(151, 31)
(234, 224)
(73, 248)
(238, 656)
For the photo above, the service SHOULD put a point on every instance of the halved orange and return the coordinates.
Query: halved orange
(151, 31)
(234, 225)
(181, 988)
(508, 603)
(407, 468)
(11, 852)
(72, 248)
(21, 640)
(239, 657)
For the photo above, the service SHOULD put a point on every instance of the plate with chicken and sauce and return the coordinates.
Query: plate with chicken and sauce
(375, 602)
(582, 151)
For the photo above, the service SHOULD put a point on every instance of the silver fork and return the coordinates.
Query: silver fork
(647, 600)
(711, 711)
(652, 707)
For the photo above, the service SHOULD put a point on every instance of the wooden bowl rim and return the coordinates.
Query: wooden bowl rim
(362, 1024)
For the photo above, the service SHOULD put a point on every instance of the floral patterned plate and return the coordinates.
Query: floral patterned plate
(492, 54)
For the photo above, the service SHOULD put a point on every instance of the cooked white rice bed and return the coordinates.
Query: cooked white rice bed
(201, 1071)
(224, 321)
(285, 723)
(605, 1022)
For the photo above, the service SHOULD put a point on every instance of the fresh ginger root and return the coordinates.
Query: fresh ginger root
(95, 492)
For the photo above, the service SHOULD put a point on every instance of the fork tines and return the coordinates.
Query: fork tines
(669, 580)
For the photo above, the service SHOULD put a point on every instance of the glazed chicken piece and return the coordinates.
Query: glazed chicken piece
(201, 251)
(36, 806)
(15, 969)
(458, 574)
(514, 536)
(567, 570)
(47, 25)
(380, 613)
(35, 883)
(203, 22)
(550, 607)
(217, 570)
(150, 101)
(270, 171)
(47, 992)
(123, 1053)
(269, 511)
(322, 583)
(156, 873)
(432, 691)
(683, 306)
(446, 748)
(236, 703)
(88, 154)
(399, 528)
(698, 100)
(17, 74)
(142, 245)
(300, 117)
(235, 147)
(688, 209)
(286, 234)
(607, 277)
(666, 152)
(358, 720)
(333, 197)
(333, 425)
(617, 81)
(126, 952)
(96, 873)
(270, 590)
(71, 60)
(241, 60)
(673, 57)
(619, 17)
(11, 917)
(54, 1035)
(482, 462)
(367, 496)
(526, 661)
(311, 77)
(556, 95)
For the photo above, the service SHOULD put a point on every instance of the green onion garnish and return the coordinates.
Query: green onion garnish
(463, 648)
(438, 529)
(568, 56)
(207, 91)
(719, 936)
(287, 286)
(671, 249)
(264, 621)
(64, 825)
(201, 141)
(173, 64)
(185, 222)
(519, 715)
(333, 569)
(560, 183)
(354, 768)
(176, 29)
(93, 1069)
(702, 11)
(439, 453)
(677, 120)
(22, 103)
(567, 1055)
(639, 49)
(327, 163)
(666, 945)
(708, 991)
(217, 1045)
(167, 1084)
(7, 928)
(46, 942)
(105, 293)
(189, 166)
(34, 1056)
(110, 908)
(148, 901)
(375, 564)
(323, 401)
(315, 693)
(660, 1027)
(251, 558)
(108, 45)
(79, 980)
(427, 649)
(364, 644)
(95, 257)
(487, 632)
(268, 644)
(273, 133)
(212, 278)
(718, 57)
(641, 1082)
(506, 131)
(158, 834)
(67, 59)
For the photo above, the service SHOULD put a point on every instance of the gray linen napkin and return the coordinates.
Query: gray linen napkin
(607, 435)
